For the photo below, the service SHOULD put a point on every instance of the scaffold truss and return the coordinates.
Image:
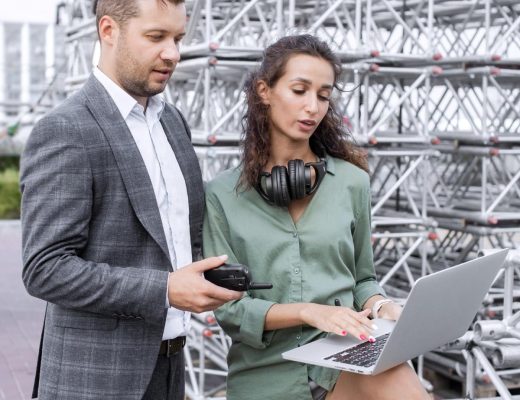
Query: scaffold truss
(431, 91)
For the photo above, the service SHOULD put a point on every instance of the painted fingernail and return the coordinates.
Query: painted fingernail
(344, 333)
(362, 337)
(374, 326)
(371, 339)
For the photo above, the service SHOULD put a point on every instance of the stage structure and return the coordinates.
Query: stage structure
(432, 92)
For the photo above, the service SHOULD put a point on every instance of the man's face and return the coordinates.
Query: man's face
(147, 48)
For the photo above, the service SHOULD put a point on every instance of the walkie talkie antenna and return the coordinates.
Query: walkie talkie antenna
(254, 286)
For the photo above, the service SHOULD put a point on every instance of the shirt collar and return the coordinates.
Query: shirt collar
(156, 106)
(330, 164)
(124, 102)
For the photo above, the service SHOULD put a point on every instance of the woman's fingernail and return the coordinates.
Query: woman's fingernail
(371, 339)
(223, 257)
(362, 337)
(344, 333)
(374, 326)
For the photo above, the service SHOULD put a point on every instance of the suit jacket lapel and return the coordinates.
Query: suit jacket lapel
(128, 158)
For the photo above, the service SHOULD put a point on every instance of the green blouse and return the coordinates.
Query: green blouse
(326, 255)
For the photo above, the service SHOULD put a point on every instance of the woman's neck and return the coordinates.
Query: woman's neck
(282, 152)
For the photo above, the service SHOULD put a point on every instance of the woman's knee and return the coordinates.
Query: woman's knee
(402, 381)
(396, 383)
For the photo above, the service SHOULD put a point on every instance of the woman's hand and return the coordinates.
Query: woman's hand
(390, 311)
(338, 320)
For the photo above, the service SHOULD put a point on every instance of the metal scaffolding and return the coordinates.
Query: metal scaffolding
(432, 93)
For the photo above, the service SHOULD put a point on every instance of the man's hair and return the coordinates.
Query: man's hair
(120, 10)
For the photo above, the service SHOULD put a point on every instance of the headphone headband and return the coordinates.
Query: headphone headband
(320, 168)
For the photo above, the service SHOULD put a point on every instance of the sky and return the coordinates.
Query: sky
(28, 10)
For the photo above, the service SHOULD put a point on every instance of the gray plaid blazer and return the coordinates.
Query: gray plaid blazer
(94, 246)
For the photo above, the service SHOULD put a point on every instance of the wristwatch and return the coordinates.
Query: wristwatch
(377, 306)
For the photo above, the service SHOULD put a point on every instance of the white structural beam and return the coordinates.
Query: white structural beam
(50, 60)
(25, 64)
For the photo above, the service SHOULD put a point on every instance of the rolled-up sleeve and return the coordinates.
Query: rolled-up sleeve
(243, 320)
(366, 283)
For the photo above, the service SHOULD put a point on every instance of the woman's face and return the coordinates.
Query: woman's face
(300, 98)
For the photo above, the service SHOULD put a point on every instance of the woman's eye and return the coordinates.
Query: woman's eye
(298, 91)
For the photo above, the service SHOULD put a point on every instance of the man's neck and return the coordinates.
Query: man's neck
(143, 101)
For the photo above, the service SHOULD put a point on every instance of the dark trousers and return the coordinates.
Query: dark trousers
(167, 381)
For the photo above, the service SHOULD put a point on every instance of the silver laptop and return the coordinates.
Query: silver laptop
(440, 308)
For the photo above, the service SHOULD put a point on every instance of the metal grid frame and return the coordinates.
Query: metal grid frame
(432, 95)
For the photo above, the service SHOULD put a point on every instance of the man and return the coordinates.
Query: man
(112, 209)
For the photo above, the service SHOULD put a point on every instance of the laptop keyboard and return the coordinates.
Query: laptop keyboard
(364, 354)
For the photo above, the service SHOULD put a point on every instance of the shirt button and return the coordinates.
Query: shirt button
(296, 270)
(298, 337)
(295, 235)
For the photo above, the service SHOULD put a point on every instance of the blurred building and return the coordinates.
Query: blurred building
(32, 61)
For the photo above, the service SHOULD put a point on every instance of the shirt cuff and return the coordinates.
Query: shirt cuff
(252, 327)
(364, 291)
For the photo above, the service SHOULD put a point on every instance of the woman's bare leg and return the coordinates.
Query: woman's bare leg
(398, 383)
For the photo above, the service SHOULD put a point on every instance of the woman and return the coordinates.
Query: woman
(306, 229)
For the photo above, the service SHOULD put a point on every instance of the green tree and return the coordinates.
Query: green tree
(10, 196)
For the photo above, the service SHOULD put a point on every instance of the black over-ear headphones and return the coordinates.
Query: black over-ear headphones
(284, 184)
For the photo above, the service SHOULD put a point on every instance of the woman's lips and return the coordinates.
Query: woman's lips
(306, 125)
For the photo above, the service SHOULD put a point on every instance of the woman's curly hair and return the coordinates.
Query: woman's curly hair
(330, 136)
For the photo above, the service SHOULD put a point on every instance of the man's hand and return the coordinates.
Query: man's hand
(189, 291)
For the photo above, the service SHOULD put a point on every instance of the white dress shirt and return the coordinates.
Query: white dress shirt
(167, 180)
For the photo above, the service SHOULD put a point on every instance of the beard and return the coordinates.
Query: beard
(139, 87)
(135, 77)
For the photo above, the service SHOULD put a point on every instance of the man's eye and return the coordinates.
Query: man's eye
(324, 98)
(155, 37)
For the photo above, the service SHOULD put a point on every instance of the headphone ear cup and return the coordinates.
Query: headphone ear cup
(281, 196)
(297, 183)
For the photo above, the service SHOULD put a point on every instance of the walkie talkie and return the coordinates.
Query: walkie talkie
(234, 277)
